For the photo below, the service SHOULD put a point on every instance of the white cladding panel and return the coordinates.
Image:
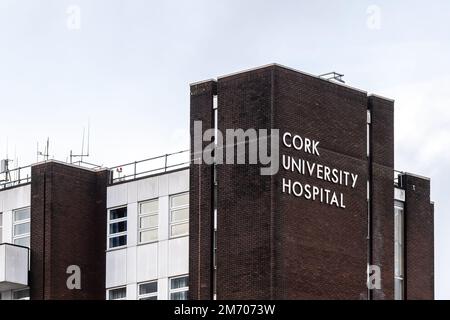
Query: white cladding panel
(147, 262)
(178, 260)
(399, 194)
(178, 182)
(13, 267)
(10, 200)
(116, 268)
(156, 261)
(117, 195)
(147, 189)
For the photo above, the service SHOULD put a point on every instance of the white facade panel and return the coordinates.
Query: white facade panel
(147, 189)
(399, 194)
(14, 260)
(147, 262)
(131, 265)
(163, 289)
(154, 261)
(163, 231)
(132, 227)
(116, 268)
(163, 253)
(163, 182)
(178, 259)
(117, 195)
(132, 192)
(178, 182)
(13, 267)
(132, 291)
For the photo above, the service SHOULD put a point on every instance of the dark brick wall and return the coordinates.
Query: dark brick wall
(419, 238)
(68, 227)
(321, 249)
(272, 245)
(382, 193)
(201, 199)
(246, 225)
(275, 246)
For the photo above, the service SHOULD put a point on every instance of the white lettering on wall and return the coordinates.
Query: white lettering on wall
(316, 170)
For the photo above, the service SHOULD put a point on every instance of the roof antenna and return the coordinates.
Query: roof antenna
(4, 166)
(82, 154)
(45, 153)
(333, 76)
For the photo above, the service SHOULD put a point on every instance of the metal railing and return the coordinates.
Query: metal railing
(146, 167)
(15, 177)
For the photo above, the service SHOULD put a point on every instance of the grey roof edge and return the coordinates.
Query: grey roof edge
(295, 70)
(202, 81)
(291, 69)
(69, 165)
(417, 176)
(380, 96)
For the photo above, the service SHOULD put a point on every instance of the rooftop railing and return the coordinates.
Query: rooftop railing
(129, 171)
(15, 177)
(150, 166)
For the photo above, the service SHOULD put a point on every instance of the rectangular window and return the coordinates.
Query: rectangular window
(21, 227)
(148, 221)
(179, 215)
(148, 291)
(398, 249)
(22, 294)
(117, 294)
(179, 288)
(117, 227)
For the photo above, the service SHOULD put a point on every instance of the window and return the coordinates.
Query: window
(179, 288)
(398, 249)
(179, 215)
(117, 227)
(148, 221)
(1, 227)
(117, 294)
(148, 291)
(21, 227)
(22, 294)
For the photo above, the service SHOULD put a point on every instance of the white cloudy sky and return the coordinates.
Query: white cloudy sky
(127, 70)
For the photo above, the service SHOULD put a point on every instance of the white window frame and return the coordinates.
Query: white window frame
(154, 213)
(116, 288)
(182, 289)
(118, 234)
(171, 209)
(147, 295)
(15, 223)
(399, 244)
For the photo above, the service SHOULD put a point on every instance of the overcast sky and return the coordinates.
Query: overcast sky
(125, 66)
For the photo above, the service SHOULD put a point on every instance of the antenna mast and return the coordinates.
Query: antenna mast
(45, 153)
(82, 154)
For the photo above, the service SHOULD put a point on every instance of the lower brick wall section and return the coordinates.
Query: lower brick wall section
(419, 239)
(68, 220)
(383, 230)
(201, 199)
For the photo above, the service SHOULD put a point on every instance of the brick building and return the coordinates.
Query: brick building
(264, 243)
(169, 228)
